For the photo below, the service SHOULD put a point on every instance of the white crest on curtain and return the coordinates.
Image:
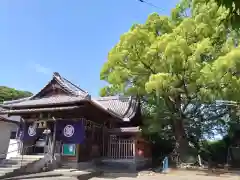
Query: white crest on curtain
(68, 131)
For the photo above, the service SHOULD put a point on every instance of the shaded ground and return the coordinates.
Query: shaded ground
(68, 174)
(144, 175)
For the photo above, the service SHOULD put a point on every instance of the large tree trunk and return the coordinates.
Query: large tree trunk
(182, 145)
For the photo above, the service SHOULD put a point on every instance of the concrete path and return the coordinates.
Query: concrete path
(51, 178)
(68, 174)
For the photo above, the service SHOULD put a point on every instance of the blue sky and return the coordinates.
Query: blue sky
(38, 37)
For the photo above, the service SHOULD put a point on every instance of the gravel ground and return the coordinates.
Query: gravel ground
(174, 175)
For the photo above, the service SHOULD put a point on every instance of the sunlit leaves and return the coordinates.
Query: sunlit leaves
(189, 57)
(194, 54)
(161, 82)
(234, 7)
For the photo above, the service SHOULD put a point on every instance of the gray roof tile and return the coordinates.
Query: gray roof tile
(64, 83)
(53, 100)
(121, 106)
(4, 117)
(19, 111)
(70, 86)
(16, 101)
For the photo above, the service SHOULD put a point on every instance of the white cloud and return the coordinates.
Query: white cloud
(41, 69)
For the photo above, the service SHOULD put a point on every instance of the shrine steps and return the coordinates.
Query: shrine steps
(75, 165)
(116, 166)
(20, 165)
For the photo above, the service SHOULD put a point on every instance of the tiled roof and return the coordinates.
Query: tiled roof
(119, 106)
(19, 111)
(64, 83)
(4, 117)
(16, 101)
(123, 106)
(74, 89)
(53, 100)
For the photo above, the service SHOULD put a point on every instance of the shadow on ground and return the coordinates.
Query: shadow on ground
(114, 175)
(32, 177)
(116, 170)
(219, 173)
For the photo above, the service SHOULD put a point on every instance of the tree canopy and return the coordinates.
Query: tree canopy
(7, 93)
(184, 62)
(234, 7)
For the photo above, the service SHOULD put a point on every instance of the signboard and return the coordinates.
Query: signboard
(68, 149)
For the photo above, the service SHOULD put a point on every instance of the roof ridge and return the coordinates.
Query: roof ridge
(63, 81)
(36, 94)
(76, 86)
(56, 76)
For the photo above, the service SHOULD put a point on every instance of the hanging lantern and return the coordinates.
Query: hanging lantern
(47, 131)
(140, 152)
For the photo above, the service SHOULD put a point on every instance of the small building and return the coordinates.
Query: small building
(66, 120)
(8, 129)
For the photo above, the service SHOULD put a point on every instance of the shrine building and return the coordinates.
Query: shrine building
(63, 119)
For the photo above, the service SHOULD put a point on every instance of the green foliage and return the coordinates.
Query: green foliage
(188, 58)
(216, 151)
(7, 93)
(234, 7)
(180, 65)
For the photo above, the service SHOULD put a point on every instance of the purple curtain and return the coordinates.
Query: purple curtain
(28, 132)
(70, 131)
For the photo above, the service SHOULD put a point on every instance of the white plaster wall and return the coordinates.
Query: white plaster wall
(5, 130)
(13, 148)
(14, 144)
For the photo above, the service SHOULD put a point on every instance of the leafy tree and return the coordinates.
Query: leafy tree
(184, 62)
(7, 93)
(234, 7)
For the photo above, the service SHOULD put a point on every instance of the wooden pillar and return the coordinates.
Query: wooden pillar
(103, 142)
(54, 139)
(93, 134)
(77, 152)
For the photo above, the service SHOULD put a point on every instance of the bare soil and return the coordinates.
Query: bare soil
(174, 175)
